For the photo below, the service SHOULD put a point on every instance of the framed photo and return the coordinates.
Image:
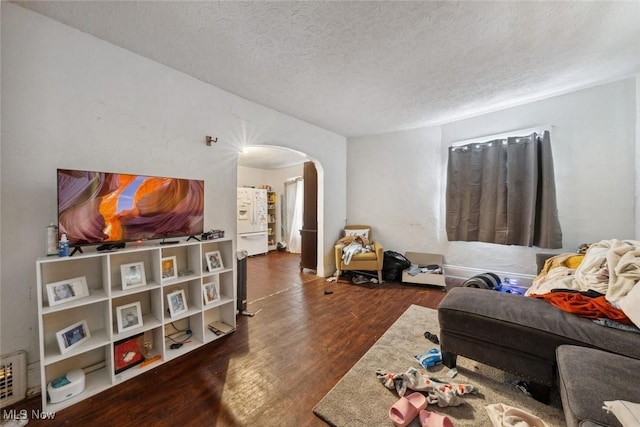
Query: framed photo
(214, 261)
(72, 336)
(132, 275)
(128, 353)
(211, 292)
(169, 268)
(177, 302)
(129, 316)
(67, 290)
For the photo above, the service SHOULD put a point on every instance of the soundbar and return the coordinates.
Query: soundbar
(110, 246)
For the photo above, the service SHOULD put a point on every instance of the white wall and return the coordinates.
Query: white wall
(637, 158)
(394, 185)
(593, 142)
(278, 177)
(70, 100)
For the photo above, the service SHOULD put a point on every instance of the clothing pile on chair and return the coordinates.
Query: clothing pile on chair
(353, 245)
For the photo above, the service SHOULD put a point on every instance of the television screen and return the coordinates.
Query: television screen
(103, 207)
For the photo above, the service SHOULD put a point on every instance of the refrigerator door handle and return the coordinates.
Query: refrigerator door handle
(256, 234)
(253, 220)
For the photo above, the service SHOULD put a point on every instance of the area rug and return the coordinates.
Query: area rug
(360, 399)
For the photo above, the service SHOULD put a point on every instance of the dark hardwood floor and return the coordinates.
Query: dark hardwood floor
(272, 370)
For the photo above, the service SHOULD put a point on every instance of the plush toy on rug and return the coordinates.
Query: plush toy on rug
(438, 392)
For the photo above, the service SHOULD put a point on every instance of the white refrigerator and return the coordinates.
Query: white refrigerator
(252, 220)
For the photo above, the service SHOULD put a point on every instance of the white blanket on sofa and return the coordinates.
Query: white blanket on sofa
(611, 267)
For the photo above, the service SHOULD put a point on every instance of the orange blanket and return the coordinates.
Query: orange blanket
(592, 308)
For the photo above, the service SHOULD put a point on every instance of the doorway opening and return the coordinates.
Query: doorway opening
(280, 171)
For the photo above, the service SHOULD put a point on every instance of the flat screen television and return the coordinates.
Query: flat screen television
(104, 207)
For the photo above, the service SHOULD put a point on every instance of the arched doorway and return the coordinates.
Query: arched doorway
(270, 167)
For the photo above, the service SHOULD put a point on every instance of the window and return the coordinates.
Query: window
(503, 191)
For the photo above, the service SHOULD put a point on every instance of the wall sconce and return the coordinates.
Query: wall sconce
(210, 140)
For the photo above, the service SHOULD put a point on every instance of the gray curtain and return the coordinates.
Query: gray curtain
(503, 191)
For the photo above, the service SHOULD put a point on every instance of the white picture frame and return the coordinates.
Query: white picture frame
(72, 336)
(177, 303)
(169, 267)
(133, 275)
(67, 290)
(211, 291)
(214, 261)
(129, 316)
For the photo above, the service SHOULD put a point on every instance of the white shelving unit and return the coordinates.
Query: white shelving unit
(105, 293)
(271, 220)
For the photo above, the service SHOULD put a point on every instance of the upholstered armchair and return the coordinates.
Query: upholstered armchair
(368, 261)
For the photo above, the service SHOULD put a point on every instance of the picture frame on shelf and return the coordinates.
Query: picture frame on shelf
(72, 336)
(214, 261)
(67, 290)
(169, 268)
(211, 291)
(133, 275)
(129, 316)
(177, 302)
(128, 353)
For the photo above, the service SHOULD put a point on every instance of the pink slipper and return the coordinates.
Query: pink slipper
(432, 419)
(407, 408)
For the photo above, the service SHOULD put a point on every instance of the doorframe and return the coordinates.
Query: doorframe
(320, 267)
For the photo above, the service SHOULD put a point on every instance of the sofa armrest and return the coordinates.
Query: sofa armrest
(338, 253)
(379, 250)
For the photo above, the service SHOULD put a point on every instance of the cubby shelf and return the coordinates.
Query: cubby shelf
(98, 297)
(271, 220)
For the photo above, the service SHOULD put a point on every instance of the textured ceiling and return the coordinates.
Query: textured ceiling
(363, 68)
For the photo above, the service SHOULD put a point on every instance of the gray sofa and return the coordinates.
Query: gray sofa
(524, 335)
(587, 377)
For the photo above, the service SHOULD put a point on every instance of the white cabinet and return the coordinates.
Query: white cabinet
(110, 353)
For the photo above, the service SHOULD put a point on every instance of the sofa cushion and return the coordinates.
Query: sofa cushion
(587, 377)
(364, 256)
(547, 327)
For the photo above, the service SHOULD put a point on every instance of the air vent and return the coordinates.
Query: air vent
(13, 378)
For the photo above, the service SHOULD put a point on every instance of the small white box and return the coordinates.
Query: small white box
(421, 258)
(65, 387)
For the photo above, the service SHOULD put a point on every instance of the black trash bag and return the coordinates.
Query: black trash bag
(393, 265)
(484, 281)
